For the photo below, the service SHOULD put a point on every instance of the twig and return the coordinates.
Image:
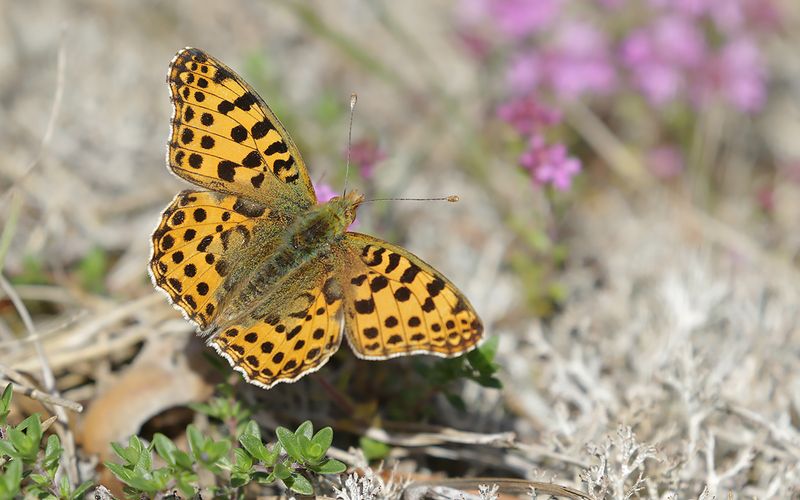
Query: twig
(48, 380)
(42, 396)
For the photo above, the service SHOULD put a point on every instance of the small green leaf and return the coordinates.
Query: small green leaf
(120, 471)
(81, 490)
(12, 478)
(457, 402)
(299, 484)
(216, 450)
(183, 460)
(281, 471)
(64, 487)
(165, 448)
(251, 429)
(373, 450)
(323, 439)
(330, 466)
(305, 429)
(5, 403)
(290, 443)
(52, 454)
(196, 442)
(254, 446)
(8, 449)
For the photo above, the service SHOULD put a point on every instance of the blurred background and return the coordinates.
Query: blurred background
(629, 228)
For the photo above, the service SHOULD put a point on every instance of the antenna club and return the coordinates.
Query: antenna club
(453, 198)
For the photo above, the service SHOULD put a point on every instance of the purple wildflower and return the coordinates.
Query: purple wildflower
(736, 74)
(324, 192)
(515, 19)
(527, 115)
(662, 56)
(578, 61)
(549, 164)
(365, 154)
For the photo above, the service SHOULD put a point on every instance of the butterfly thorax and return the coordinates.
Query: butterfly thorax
(308, 238)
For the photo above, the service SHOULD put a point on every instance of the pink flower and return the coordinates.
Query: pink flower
(663, 56)
(549, 164)
(737, 74)
(324, 192)
(527, 115)
(365, 154)
(515, 19)
(578, 61)
(524, 73)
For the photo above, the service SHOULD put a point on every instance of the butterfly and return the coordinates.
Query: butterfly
(269, 276)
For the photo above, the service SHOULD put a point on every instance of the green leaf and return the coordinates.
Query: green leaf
(243, 461)
(272, 454)
(299, 484)
(281, 471)
(457, 402)
(330, 466)
(305, 429)
(25, 447)
(81, 490)
(183, 460)
(11, 478)
(253, 445)
(120, 471)
(290, 443)
(373, 450)
(52, 454)
(251, 429)
(39, 479)
(120, 451)
(196, 442)
(312, 452)
(5, 403)
(216, 450)
(165, 448)
(8, 449)
(324, 438)
(64, 487)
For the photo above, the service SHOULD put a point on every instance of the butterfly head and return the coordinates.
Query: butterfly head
(345, 207)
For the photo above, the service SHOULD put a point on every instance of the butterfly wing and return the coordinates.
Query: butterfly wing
(294, 332)
(201, 237)
(225, 138)
(396, 304)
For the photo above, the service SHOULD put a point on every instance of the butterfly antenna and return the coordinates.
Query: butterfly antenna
(353, 100)
(452, 199)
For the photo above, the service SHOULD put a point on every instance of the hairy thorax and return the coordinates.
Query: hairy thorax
(279, 259)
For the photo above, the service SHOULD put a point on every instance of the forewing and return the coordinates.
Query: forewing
(192, 245)
(225, 138)
(291, 335)
(396, 304)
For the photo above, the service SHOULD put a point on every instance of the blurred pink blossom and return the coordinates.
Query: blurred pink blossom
(665, 162)
(324, 192)
(527, 114)
(737, 74)
(661, 57)
(549, 164)
(578, 61)
(365, 154)
(513, 18)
